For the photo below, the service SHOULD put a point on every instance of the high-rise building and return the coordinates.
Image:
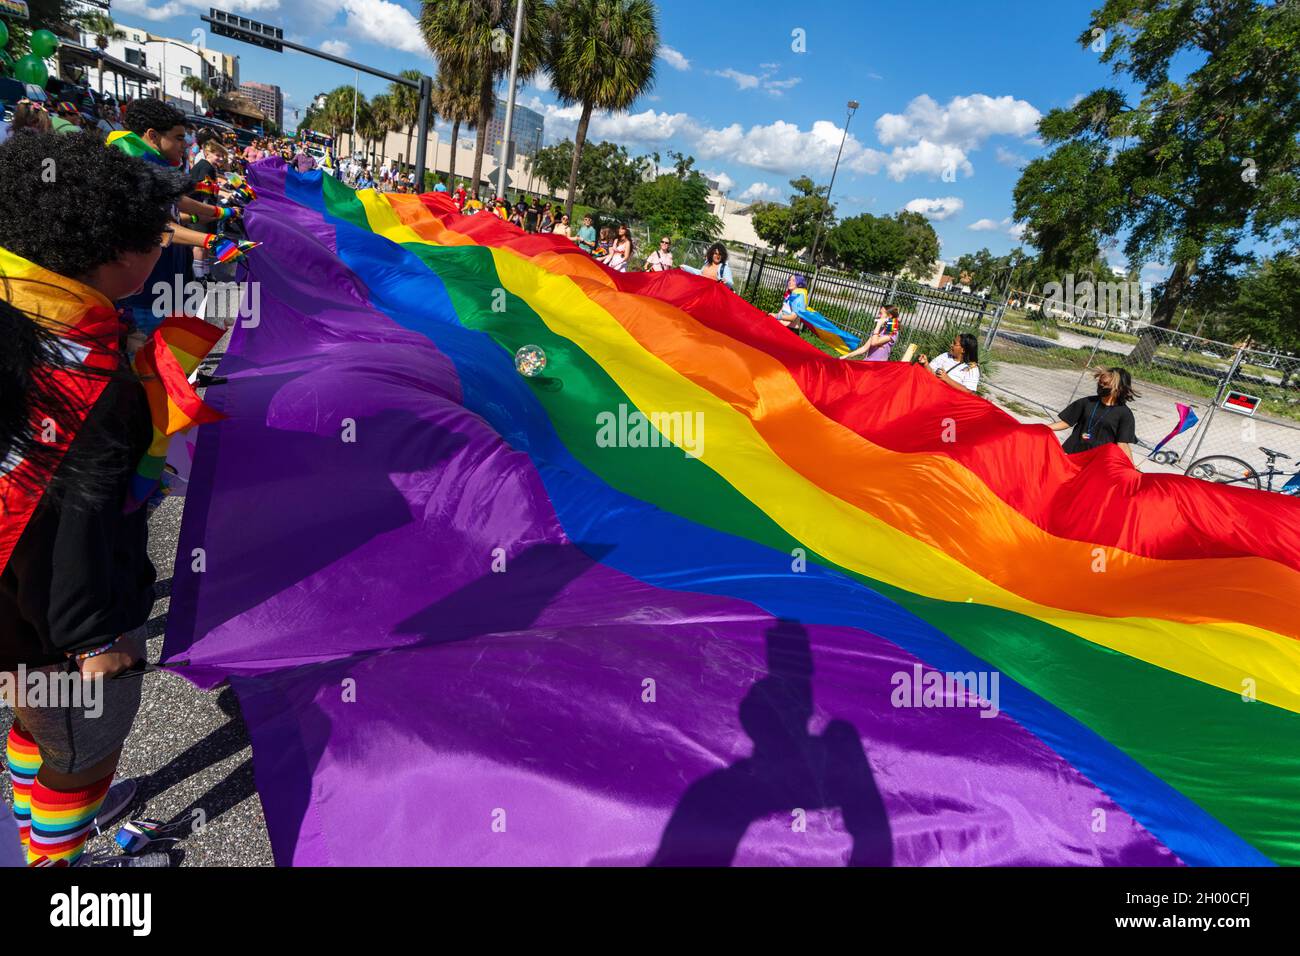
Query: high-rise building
(268, 99)
(528, 127)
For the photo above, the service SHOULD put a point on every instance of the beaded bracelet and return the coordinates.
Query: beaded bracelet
(95, 651)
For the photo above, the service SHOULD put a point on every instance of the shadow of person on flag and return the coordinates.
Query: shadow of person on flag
(790, 769)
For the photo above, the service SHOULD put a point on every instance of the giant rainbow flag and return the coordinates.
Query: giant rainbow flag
(855, 616)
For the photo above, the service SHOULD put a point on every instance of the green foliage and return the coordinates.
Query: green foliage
(607, 175)
(772, 223)
(1198, 164)
(868, 243)
(1268, 307)
(475, 39)
(792, 226)
(922, 243)
(677, 206)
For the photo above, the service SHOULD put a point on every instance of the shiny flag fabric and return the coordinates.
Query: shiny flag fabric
(89, 325)
(855, 616)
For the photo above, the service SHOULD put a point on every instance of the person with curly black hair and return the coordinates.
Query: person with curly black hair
(155, 134)
(80, 226)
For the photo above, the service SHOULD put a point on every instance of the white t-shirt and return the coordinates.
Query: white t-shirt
(961, 372)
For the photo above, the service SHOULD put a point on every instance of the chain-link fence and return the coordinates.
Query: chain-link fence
(1042, 356)
(929, 317)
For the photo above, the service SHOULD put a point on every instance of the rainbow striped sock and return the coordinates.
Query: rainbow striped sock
(24, 759)
(61, 821)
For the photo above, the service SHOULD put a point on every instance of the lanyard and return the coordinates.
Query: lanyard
(1087, 432)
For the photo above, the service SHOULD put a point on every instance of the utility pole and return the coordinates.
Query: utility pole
(510, 98)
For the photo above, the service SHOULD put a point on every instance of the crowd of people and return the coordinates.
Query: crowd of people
(1093, 421)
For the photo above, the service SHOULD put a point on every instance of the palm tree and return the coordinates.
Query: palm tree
(337, 113)
(601, 53)
(196, 86)
(382, 122)
(102, 25)
(406, 108)
(457, 102)
(475, 37)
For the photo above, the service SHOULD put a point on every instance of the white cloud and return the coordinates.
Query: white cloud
(337, 47)
(1014, 230)
(777, 87)
(757, 191)
(384, 23)
(542, 81)
(1007, 158)
(967, 121)
(725, 182)
(674, 58)
(937, 209)
(783, 147)
(381, 22)
(743, 81)
(929, 158)
(779, 147)
(763, 81)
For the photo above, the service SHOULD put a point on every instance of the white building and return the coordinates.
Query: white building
(172, 61)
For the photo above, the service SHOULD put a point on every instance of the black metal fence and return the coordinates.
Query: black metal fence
(852, 300)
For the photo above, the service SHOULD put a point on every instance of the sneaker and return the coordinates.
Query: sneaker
(98, 860)
(117, 803)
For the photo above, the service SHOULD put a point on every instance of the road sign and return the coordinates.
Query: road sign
(250, 31)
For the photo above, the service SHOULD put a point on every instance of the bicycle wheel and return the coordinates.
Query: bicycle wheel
(1224, 470)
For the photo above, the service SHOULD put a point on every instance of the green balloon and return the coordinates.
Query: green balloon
(44, 43)
(4, 34)
(31, 69)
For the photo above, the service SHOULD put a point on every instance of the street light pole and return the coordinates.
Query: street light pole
(853, 105)
(510, 98)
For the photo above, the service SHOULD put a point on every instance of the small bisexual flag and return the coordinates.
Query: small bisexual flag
(1186, 419)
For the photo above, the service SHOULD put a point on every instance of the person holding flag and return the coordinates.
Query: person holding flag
(76, 583)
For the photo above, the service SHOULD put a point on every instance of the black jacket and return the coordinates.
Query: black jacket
(81, 576)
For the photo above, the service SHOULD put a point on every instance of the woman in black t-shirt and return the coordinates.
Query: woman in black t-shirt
(1101, 419)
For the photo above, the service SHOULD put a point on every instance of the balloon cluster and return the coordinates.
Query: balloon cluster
(30, 68)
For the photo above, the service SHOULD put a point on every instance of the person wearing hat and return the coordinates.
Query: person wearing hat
(66, 118)
(661, 260)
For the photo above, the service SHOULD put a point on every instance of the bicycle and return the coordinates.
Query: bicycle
(1227, 470)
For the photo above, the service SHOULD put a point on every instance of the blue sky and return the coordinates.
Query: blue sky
(949, 91)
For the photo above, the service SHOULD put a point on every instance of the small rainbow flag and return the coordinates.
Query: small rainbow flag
(164, 364)
(131, 144)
